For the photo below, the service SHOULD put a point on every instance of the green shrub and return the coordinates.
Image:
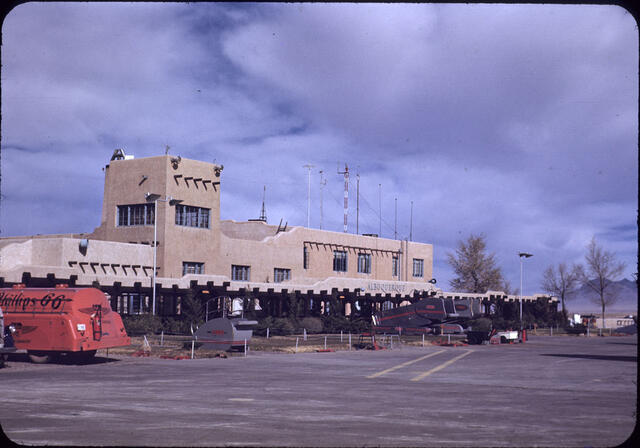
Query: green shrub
(481, 324)
(176, 325)
(360, 325)
(142, 324)
(311, 324)
(336, 324)
(282, 327)
(263, 324)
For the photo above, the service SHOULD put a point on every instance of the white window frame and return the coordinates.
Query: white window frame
(364, 263)
(340, 261)
(240, 273)
(418, 267)
(195, 266)
(281, 274)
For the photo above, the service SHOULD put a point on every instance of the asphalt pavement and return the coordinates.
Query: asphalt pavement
(550, 391)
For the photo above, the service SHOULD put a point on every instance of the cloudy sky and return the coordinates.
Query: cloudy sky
(515, 121)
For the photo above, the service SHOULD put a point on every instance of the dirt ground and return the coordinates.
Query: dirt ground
(177, 347)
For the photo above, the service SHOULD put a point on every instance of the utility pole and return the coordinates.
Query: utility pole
(308, 167)
(380, 210)
(358, 204)
(411, 224)
(346, 194)
(522, 255)
(323, 182)
(395, 223)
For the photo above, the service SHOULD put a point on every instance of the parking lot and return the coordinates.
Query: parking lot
(551, 391)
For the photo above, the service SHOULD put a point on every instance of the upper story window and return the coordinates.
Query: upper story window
(418, 267)
(191, 267)
(281, 274)
(189, 216)
(394, 266)
(136, 215)
(364, 263)
(340, 261)
(240, 272)
(305, 257)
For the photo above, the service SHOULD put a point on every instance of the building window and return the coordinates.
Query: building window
(281, 274)
(134, 303)
(364, 263)
(136, 215)
(339, 261)
(394, 266)
(191, 267)
(189, 216)
(305, 257)
(418, 267)
(240, 272)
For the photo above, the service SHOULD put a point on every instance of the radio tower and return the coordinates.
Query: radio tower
(263, 213)
(346, 194)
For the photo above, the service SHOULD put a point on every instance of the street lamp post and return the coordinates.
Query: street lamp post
(155, 198)
(522, 256)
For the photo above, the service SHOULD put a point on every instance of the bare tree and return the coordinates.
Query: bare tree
(476, 270)
(601, 270)
(561, 281)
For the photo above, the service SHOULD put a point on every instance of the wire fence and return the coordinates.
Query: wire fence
(305, 342)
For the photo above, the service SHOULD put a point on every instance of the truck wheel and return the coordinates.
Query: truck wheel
(39, 357)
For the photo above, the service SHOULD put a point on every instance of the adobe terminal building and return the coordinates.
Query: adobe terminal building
(199, 256)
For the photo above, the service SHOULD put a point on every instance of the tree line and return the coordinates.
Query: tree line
(476, 271)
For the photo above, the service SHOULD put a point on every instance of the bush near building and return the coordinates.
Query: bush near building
(142, 324)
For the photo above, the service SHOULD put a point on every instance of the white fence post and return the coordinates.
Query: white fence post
(296, 345)
(349, 340)
(304, 333)
(267, 332)
(325, 342)
(245, 347)
(162, 338)
(423, 339)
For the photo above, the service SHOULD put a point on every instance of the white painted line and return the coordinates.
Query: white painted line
(404, 364)
(441, 366)
(240, 399)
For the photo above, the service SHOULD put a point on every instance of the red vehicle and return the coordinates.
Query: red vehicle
(48, 322)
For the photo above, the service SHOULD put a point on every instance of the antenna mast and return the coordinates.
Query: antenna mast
(380, 209)
(346, 194)
(411, 224)
(395, 223)
(263, 213)
(358, 203)
(308, 167)
(323, 182)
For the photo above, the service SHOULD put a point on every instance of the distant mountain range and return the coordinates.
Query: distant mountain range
(584, 300)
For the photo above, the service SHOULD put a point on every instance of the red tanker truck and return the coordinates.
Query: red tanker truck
(47, 322)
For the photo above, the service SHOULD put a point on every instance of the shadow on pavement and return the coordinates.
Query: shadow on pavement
(596, 357)
(63, 360)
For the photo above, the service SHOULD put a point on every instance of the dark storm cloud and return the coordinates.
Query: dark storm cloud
(516, 121)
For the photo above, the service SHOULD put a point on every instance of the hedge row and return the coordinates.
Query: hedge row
(149, 324)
